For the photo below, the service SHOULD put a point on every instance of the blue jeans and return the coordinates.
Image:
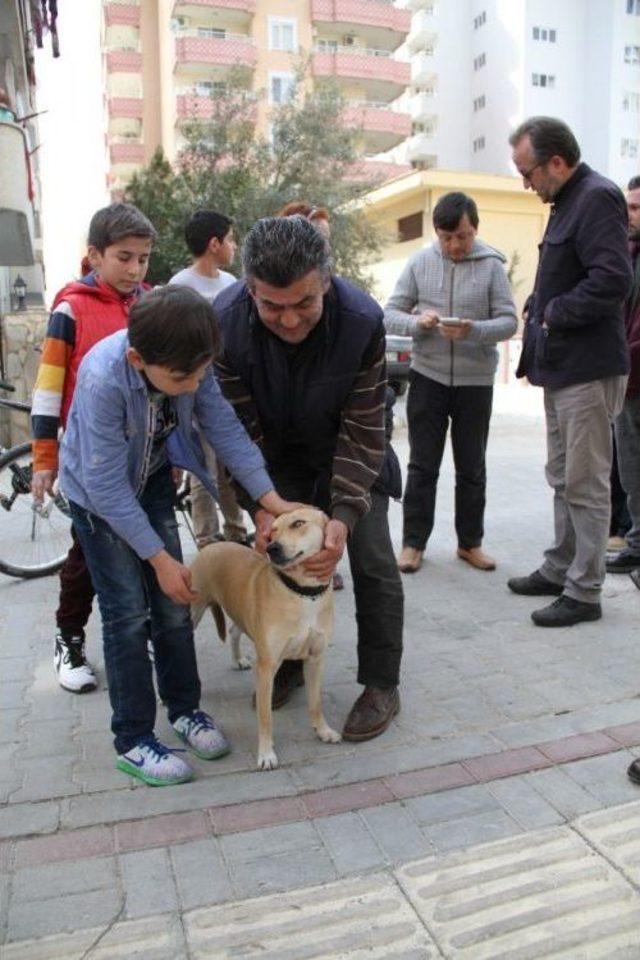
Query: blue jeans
(135, 610)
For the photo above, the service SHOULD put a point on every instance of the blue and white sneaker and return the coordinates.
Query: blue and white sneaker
(200, 733)
(154, 763)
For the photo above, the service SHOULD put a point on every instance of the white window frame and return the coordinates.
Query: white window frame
(274, 24)
(283, 75)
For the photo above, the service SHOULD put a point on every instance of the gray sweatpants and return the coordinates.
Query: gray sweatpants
(628, 445)
(579, 451)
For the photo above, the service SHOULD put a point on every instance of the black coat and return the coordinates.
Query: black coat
(584, 275)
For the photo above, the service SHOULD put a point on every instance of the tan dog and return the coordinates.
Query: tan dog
(287, 613)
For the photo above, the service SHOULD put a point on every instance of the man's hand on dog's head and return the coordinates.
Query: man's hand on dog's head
(323, 563)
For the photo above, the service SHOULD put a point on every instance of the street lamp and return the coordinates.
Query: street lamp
(20, 291)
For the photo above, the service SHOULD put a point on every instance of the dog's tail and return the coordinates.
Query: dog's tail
(197, 612)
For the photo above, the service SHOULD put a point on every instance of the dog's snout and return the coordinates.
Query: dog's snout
(275, 552)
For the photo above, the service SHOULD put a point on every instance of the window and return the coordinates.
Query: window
(410, 228)
(212, 33)
(211, 88)
(479, 103)
(327, 46)
(281, 86)
(283, 34)
(629, 148)
(633, 7)
(478, 144)
(480, 19)
(543, 80)
(544, 34)
(632, 54)
(479, 62)
(631, 102)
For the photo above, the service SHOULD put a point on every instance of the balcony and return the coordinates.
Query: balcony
(423, 33)
(385, 78)
(375, 172)
(194, 8)
(423, 69)
(16, 212)
(125, 107)
(381, 127)
(124, 61)
(422, 106)
(422, 149)
(376, 21)
(427, 5)
(126, 153)
(193, 52)
(121, 14)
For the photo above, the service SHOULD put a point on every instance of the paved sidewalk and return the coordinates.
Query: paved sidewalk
(504, 729)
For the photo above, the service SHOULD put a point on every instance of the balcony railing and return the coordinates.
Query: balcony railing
(125, 107)
(361, 63)
(371, 13)
(126, 152)
(222, 51)
(376, 117)
(124, 61)
(249, 6)
(122, 14)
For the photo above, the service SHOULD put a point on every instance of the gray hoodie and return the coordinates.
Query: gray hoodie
(475, 288)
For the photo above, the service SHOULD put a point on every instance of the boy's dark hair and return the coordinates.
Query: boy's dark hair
(634, 183)
(450, 209)
(549, 137)
(203, 226)
(174, 327)
(115, 222)
(281, 250)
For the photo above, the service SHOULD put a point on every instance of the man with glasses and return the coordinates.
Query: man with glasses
(574, 346)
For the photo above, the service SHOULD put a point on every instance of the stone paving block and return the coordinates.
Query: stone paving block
(578, 747)
(10, 726)
(605, 777)
(615, 832)
(14, 669)
(75, 845)
(362, 919)
(396, 832)
(506, 764)
(350, 844)
(200, 873)
(148, 883)
(452, 804)
(527, 807)
(300, 867)
(33, 884)
(27, 818)
(429, 780)
(161, 831)
(563, 793)
(627, 734)
(542, 895)
(354, 796)
(49, 738)
(96, 776)
(467, 831)
(259, 813)
(46, 778)
(269, 841)
(63, 914)
(12, 695)
(157, 938)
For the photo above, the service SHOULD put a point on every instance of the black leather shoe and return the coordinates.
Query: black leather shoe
(633, 771)
(535, 585)
(565, 611)
(623, 562)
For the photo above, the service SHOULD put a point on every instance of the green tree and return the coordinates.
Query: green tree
(225, 164)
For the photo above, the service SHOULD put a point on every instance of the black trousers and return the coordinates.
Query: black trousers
(430, 408)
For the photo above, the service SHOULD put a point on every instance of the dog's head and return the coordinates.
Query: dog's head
(296, 536)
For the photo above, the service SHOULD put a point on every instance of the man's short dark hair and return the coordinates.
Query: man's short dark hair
(450, 209)
(281, 250)
(634, 183)
(115, 222)
(202, 227)
(549, 137)
(174, 327)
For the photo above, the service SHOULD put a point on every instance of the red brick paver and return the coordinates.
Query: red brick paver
(415, 783)
(69, 845)
(508, 763)
(259, 813)
(579, 747)
(161, 831)
(352, 796)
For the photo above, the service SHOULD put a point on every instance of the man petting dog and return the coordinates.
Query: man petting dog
(303, 364)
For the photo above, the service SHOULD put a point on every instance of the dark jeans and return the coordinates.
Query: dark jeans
(430, 407)
(620, 520)
(135, 610)
(76, 591)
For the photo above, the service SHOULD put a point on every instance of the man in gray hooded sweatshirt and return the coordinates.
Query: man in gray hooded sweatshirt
(454, 299)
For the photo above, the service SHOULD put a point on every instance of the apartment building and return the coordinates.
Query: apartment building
(478, 67)
(164, 59)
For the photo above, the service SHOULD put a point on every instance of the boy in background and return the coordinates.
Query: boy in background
(84, 312)
(209, 237)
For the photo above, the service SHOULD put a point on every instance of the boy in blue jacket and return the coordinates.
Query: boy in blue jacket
(138, 397)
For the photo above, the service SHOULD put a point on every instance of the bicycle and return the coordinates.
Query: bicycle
(34, 538)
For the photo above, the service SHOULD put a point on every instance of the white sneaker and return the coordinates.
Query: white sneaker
(154, 763)
(74, 673)
(200, 733)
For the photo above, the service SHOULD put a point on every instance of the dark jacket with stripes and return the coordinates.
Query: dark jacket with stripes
(318, 409)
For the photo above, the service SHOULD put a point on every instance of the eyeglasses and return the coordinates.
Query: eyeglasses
(526, 174)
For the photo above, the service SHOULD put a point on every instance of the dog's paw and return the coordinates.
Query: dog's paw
(242, 663)
(327, 735)
(267, 760)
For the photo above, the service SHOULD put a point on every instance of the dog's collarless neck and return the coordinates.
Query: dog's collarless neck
(312, 592)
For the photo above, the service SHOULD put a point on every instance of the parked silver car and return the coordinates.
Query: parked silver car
(398, 362)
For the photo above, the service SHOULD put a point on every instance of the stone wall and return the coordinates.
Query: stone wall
(22, 333)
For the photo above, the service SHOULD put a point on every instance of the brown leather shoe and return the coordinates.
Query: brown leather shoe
(477, 558)
(289, 675)
(372, 713)
(410, 560)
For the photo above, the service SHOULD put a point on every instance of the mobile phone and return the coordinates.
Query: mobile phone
(450, 321)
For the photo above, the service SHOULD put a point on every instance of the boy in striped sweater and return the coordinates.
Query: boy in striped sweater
(85, 312)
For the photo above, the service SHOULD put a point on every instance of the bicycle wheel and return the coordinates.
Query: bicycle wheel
(33, 541)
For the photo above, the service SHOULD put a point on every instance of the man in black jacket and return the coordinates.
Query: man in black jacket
(574, 346)
(304, 367)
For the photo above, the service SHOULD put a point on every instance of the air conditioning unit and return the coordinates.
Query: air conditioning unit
(348, 40)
